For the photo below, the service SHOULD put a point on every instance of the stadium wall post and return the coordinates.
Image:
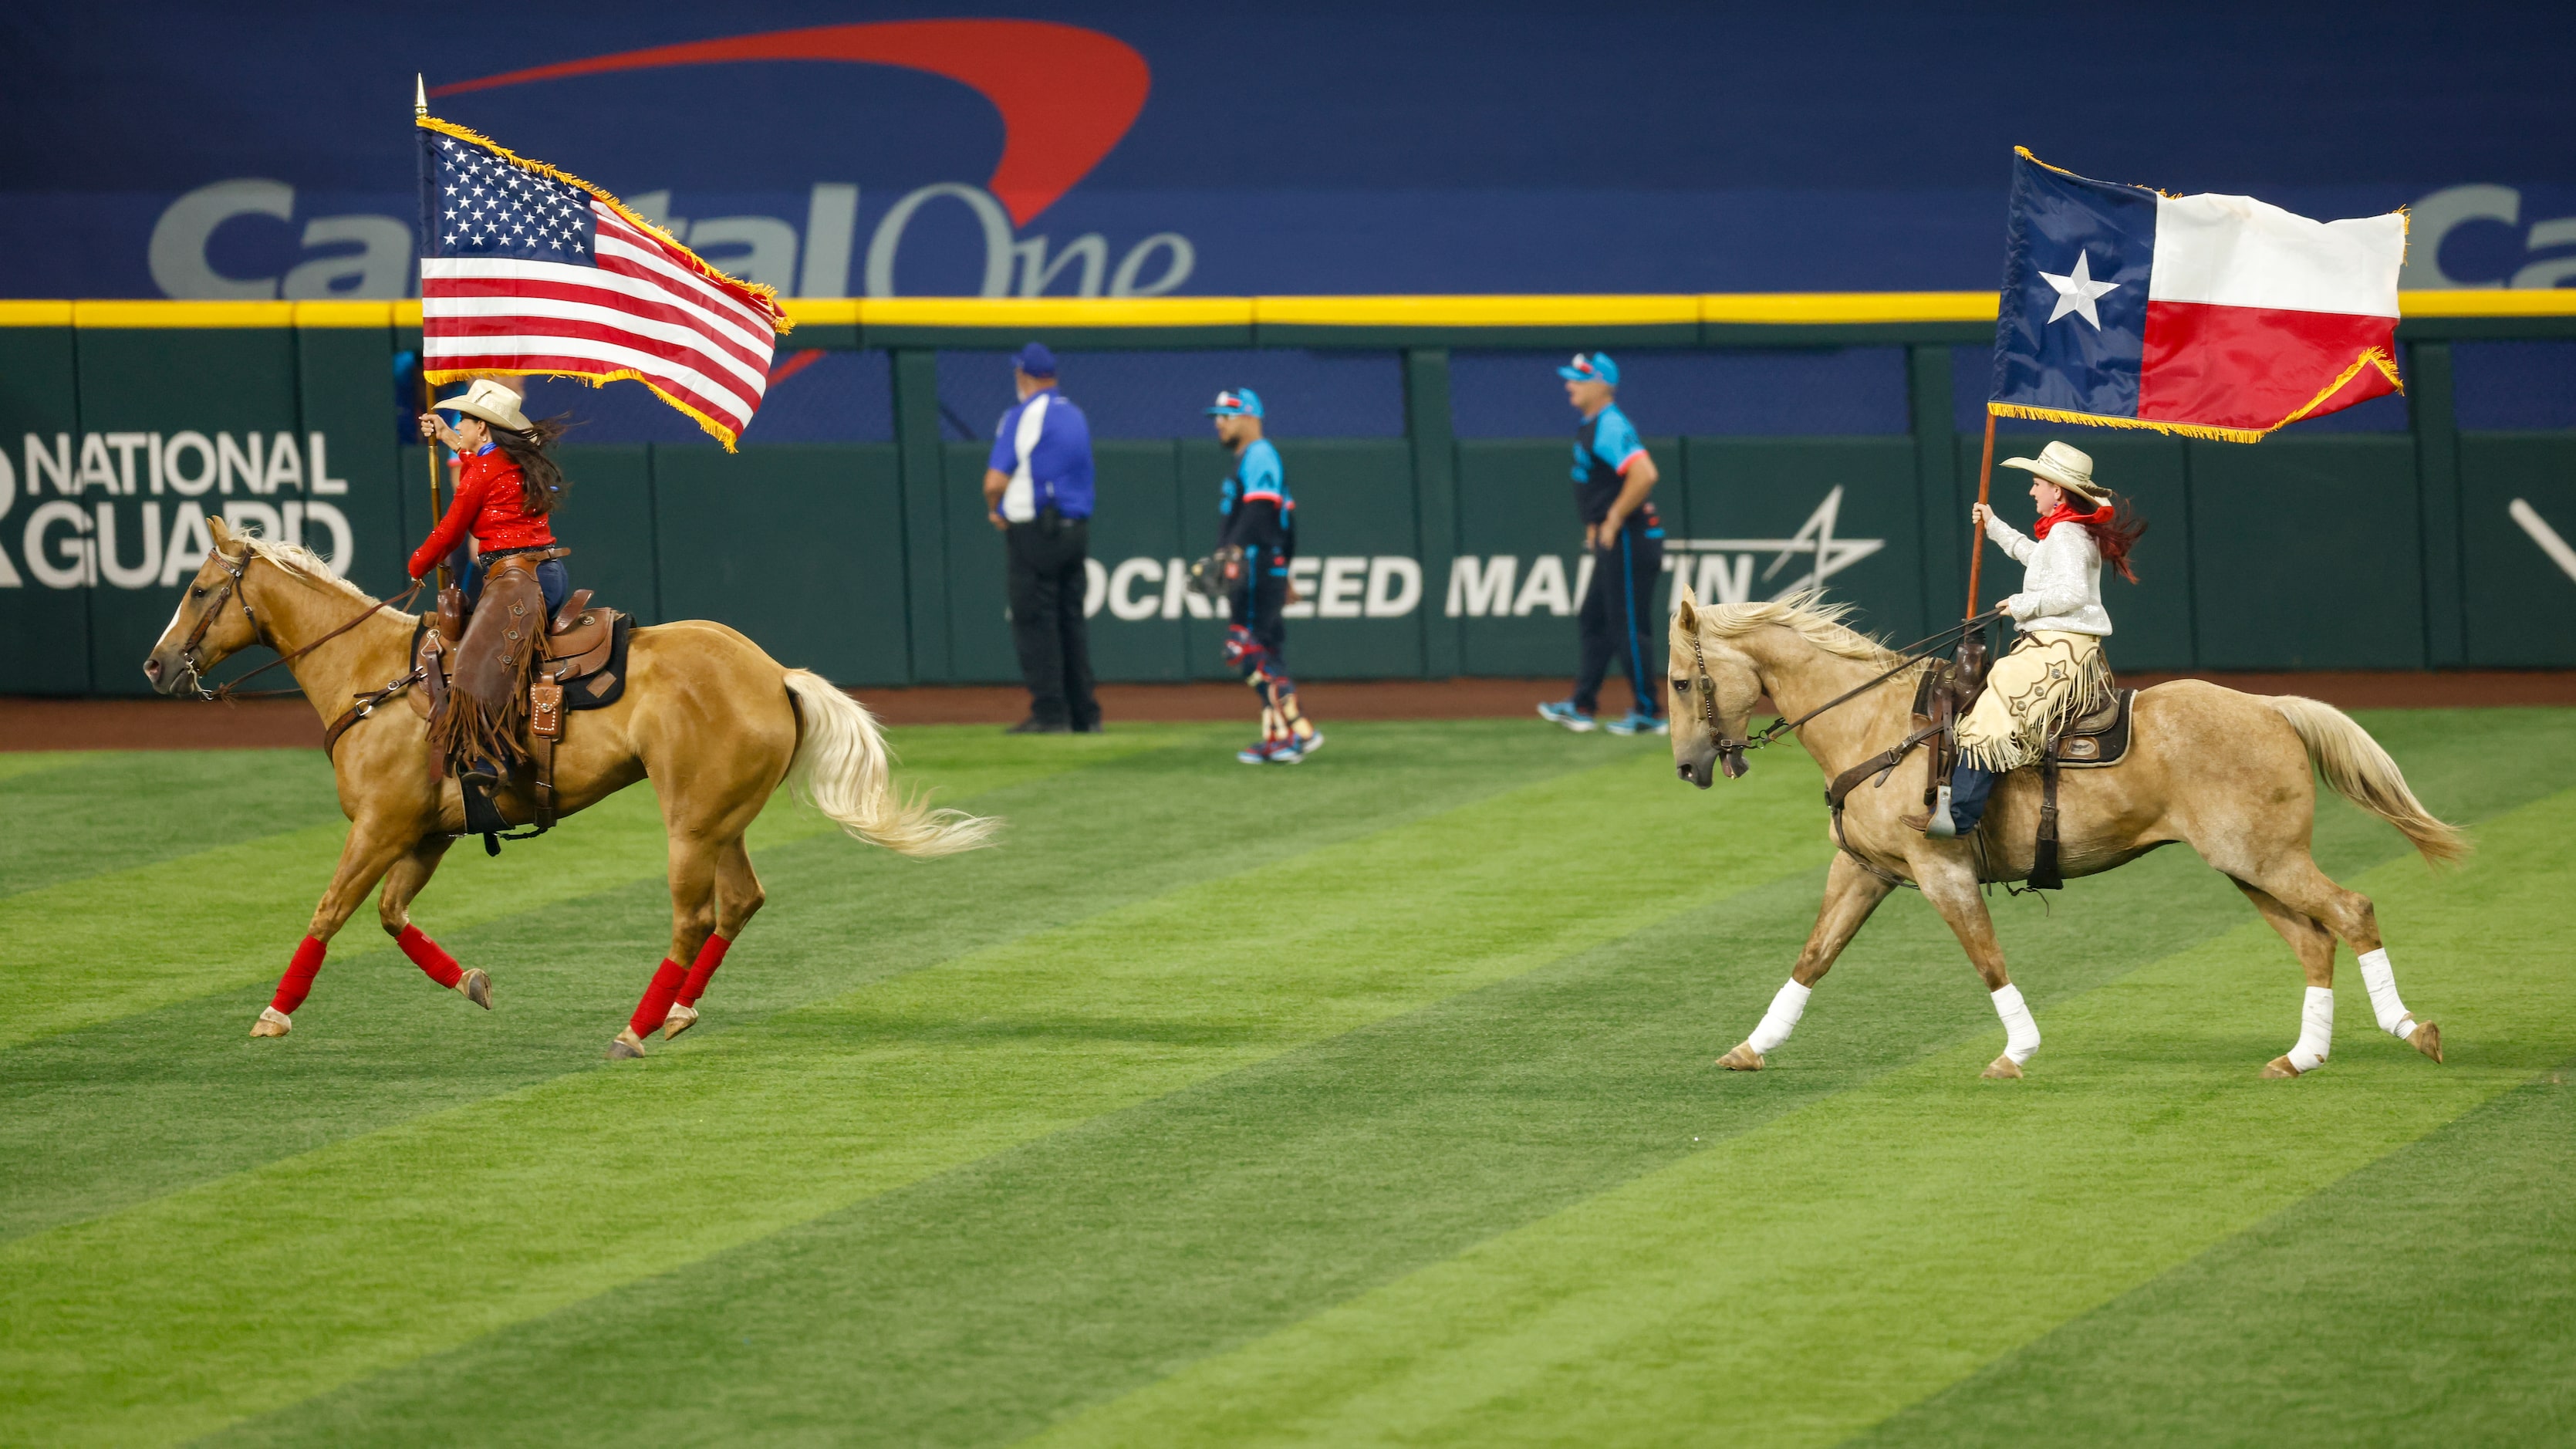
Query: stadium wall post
(1435, 499)
(1936, 474)
(2437, 475)
(925, 528)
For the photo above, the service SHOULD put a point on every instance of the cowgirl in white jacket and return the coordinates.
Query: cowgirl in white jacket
(2055, 671)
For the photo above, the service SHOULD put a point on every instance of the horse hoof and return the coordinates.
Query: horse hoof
(2427, 1039)
(2002, 1069)
(2279, 1069)
(627, 1047)
(1743, 1059)
(680, 1020)
(272, 1022)
(477, 986)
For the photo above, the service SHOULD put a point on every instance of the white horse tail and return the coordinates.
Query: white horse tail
(845, 769)
(2360, 771)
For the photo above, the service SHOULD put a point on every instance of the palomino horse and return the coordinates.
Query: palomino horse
(2226, 773)
(716, 724)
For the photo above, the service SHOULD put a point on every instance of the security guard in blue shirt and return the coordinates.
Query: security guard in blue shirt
(1260, 519)
(1038, 492)
(1621, 614)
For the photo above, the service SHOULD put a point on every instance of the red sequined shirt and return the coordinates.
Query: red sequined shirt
(491, 501)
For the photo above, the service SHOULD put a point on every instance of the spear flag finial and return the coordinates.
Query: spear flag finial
(419, 96)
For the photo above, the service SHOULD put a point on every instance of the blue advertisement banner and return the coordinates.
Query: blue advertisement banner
(249, 151)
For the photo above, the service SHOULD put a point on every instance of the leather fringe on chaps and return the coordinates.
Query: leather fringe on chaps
(485, 713)
(2044, 682)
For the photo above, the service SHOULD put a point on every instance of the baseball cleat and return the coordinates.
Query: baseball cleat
(1563, 712)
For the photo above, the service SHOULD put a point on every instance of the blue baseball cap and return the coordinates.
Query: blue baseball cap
(1035, 360)
(1235, 402)
(1596, 368)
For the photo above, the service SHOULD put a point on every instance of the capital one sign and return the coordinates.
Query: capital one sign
(1066, 95)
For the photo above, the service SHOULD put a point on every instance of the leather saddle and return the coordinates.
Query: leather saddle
(2092, 741)
(2095, 740)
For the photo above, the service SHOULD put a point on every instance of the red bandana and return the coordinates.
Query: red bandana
(2067, 513)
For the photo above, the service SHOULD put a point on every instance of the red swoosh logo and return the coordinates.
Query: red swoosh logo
(1067, 95)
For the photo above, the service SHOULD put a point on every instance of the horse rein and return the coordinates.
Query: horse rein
(232, 590)
(1733, 750)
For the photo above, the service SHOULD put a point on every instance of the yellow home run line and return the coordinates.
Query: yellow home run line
(1787, 309)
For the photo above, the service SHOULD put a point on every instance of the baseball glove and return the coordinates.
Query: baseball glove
(1215, 576)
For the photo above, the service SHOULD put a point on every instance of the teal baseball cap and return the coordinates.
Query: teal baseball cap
(1235, 402)
(1596, 368)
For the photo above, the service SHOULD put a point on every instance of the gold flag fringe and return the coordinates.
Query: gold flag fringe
(2186, 430)
(764, 293)
(714, 429)
(2370, 357)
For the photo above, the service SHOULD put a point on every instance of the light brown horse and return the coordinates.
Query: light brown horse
(714, 722)
(2224, 772)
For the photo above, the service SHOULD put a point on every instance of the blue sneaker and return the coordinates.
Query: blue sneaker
(1633, 723)
(1307, 746)
(1563, 712)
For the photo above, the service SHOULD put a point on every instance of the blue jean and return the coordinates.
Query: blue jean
(553, 579)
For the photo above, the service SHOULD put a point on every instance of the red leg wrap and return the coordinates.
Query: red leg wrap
(710, 956)
(657, 999)
(297, 983)
(434, 963)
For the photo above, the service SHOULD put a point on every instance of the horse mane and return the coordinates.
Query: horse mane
(302, 563)
(1806, 613)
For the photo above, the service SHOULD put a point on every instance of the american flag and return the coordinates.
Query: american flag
(525, 270)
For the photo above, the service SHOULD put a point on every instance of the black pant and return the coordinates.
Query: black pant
(1048, 582)
(1622, 616)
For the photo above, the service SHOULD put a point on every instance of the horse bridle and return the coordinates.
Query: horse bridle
(233, 590)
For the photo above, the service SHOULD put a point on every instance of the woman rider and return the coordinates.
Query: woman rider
(2055, 672)
(504, 492)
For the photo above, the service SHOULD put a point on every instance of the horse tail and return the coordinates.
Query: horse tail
(2360, 771)
(845, 769)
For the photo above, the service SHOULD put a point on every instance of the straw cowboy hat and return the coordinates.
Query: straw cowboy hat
(497, 405)
(2068, 468)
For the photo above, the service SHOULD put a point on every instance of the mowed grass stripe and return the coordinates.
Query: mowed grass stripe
(121, 938)
(1805, 1280)
(105, 1117)
(2429, 1298)
(64, 816)
(977, 1306)
(176, 1316)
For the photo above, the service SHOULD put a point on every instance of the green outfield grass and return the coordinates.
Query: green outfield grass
(1368, 1101)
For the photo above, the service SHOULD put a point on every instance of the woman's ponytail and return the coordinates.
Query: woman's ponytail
(541, 479)
(2116, 527)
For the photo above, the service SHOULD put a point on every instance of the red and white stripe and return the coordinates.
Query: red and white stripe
(645, 307)
(2252, 309)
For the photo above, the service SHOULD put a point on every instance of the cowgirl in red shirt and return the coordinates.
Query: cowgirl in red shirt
(504, 492)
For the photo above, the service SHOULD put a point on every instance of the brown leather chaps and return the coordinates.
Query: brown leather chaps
(485, 711)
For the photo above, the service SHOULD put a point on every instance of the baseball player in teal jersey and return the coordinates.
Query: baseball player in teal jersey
(1258, 536)
(1621, 614)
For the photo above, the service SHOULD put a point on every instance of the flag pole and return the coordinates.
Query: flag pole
(1977, 535)
(420, 108)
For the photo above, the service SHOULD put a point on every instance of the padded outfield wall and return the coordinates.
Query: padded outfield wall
(1434, 541)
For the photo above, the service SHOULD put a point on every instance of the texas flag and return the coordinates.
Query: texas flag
(2212, 316)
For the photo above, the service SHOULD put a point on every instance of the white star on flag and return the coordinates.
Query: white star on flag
(2077, 290)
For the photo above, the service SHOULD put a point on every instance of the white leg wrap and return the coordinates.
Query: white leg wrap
(2384, 1003)
(1782, 1018)
(2021, 1034)
(2316, 1030)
